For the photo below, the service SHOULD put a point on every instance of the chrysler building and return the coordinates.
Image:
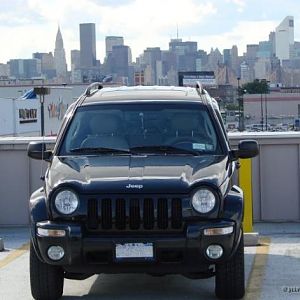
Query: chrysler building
(60, 56)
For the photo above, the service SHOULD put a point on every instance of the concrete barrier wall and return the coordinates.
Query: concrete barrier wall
(275, 177)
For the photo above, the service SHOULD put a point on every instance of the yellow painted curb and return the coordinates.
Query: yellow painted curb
(257, 273)
(14, 255)
(245, 182)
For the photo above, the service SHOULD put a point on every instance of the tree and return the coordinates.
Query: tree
(255, 87)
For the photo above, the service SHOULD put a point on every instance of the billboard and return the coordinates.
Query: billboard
(206, 78)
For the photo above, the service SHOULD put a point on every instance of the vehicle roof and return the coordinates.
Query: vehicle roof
(151, 93)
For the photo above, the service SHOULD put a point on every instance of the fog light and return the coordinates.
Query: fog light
(56, 252)
(214, 251)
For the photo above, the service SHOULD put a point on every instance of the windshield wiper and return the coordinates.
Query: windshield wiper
(99, 150)
(164, 149)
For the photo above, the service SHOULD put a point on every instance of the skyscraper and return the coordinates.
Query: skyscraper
(60, 56)
(111, 41)
(25, 68)
(87, 45)
(75, 60)
(47, 64)
(120, 60)
(151, 56)
(227, 57)
(284, 38)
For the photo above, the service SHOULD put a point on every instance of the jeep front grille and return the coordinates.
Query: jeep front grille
(134, 213)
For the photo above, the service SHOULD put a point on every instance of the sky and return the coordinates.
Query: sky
(28, 26)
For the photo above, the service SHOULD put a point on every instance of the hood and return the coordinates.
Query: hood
(136, 174)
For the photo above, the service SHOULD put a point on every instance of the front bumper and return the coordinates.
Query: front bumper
(180, 253)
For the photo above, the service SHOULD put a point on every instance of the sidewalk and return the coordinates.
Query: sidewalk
(13, 238)
(277, 228)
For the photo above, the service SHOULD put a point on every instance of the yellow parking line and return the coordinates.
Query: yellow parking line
(14, 255)
(258, 270)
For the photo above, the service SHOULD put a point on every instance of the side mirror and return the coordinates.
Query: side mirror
(38, 151)
(246, 149)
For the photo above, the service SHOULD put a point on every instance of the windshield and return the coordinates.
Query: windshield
(141, 128)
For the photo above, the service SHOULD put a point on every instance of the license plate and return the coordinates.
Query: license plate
(134, 251)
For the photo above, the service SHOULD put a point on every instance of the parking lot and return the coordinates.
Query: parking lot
(272, 272)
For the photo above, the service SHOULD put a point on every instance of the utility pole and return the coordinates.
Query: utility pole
(239, 102)
(261, 111)
(41, 92)
(266, 104)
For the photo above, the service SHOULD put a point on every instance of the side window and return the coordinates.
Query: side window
(221, 122)
(65, 119)
(210, 131)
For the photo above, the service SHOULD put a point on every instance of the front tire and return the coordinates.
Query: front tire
(46, 281)
(230, 276)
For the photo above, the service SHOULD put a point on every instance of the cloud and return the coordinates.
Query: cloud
(141, 22)
(241, 4)
(28, 26)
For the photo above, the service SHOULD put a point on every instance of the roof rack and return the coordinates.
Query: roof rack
(201, 92)
(199, 88)
(92, 87)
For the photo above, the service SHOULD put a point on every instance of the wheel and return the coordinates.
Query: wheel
(230, 276)
(46, 281)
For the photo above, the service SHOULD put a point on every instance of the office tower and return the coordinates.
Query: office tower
(119, 60)
(214, 59)
(181, 48)
(227, 57)
(169, 61)
(272, 40)
(245, 72)
(262, 68)
(25, 68)
(87, 45)
(264, 49)
(60, 56)
(4, 70)
(75, 59)
(235, 64)
(47, 64)
(150, 57)
(111, 41)
(284, 38)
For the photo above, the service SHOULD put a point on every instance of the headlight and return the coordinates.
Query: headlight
(66, 202)
(204, 201)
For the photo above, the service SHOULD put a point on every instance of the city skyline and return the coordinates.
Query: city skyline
(211, 24)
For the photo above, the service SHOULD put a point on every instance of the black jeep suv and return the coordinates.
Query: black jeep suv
(139, 181)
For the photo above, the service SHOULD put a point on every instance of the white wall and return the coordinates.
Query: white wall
(55, 106)
(6, 117)
(26, 117)
(23, 117)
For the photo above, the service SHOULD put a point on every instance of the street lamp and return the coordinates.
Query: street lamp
(266, 104)
(261, 111)
(42, 91)
(239, 102)
(241, 93)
